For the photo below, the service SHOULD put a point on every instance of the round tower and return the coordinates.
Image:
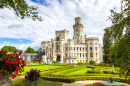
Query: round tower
(78, 31)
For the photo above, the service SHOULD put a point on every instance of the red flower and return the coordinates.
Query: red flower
(20, 52)
(16, 61)
(9, 55)
(2, 49)
(17, 68)
(24, 64)
(12, 62)
(2, 70)
(9, 66)
(17, 55)
(7, 61)
(20, 63)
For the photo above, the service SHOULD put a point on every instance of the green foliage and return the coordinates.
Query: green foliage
(39, 50)
(21, 8)
(80, 63)
(95, 71)
(35, 59)
(10, 49)
(29, 50)
(92, 62)
(55, 62)
(32, 75)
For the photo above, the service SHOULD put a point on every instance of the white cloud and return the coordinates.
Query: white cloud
(94, 14)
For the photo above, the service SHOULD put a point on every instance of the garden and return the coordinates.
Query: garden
(41, 74)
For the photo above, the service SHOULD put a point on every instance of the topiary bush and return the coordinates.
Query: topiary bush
(92, 62)
(32, 75)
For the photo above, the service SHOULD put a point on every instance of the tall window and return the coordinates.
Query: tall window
(77, 48)
(66, 48)
(50, 54)
(50, 49)
(66, 54)
(74, 48)
(69, 54)
(86, 55)
(96, 54)
(90, 48)
(80, 48)
(95, 48)
(90, 43)
(91, 54)
(77, 55)
(83, 48)
(80, 54)
(83, 54)
(71, 48)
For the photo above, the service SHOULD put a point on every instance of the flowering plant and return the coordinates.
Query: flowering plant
(11, 63)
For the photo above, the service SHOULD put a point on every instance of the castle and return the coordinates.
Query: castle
(79, 49)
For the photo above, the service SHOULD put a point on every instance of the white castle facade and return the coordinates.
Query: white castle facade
(79, 49)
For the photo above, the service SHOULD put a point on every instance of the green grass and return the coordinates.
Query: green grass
(70, 70)
(38, 66)
(39, 82)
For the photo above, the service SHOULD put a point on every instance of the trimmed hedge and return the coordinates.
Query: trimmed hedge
(95, 71)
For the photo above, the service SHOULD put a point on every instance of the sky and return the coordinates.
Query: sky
(57, 15)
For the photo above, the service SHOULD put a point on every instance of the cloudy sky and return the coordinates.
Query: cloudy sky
(57, 15)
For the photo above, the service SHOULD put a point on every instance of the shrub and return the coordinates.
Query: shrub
(94, 71)
(32, 75)
(55, 62)
(92, 62)
(80, 63)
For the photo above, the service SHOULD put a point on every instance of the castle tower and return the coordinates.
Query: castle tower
(78, 31)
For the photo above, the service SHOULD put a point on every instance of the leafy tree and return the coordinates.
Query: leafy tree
(10, 49)
(29, 50)
(21, 8)
(107, 41)
(39, 50)
(120, 54)
(120, 21)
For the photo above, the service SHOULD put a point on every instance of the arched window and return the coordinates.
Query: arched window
(91, 54)
(96, 54)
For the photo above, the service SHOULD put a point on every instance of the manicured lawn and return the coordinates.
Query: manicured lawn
(39, 82)
(82, 71)
(39, 67)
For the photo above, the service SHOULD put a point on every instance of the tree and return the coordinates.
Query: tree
(29, 50)
(39, 50)
(120, 21)
(106, 45)
(21, 8)
(120, 54)
(10, 49)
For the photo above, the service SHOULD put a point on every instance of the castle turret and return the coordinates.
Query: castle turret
(78, 31)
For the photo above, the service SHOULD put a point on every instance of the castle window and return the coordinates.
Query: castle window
(90, 48)
(58, 39)
(80, 48)
(96, 54)
(76, 29)
(83, 60)
(50, 54)
(90, 43)
(69, 54)
(74, 48)
(91, 54)
(76, 34)
(77, 48)
(83, 48)
(71, 48)
(86, 60)
(66, 54)
(86, 54)
(80, 54)
(95, 43)
(77, 55)
(77, 61)
(95, 48)
(66, 48)
(83, 54)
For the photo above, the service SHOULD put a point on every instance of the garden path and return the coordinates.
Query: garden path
(77, 83)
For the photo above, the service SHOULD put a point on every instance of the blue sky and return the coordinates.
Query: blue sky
(57, 15)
